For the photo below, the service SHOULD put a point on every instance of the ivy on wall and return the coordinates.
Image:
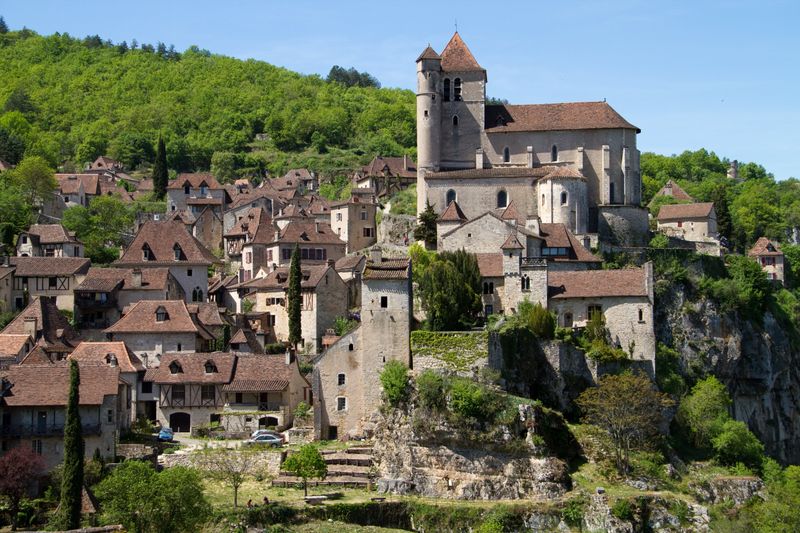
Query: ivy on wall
(458, 350)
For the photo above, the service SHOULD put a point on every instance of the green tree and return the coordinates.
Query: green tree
(160, 172)
(720, 198)
(3, 26)
(145, 501)
(294, 297)
(231, 467)
(426, 229)
(102, 227)
(450, 291)
(780, 512)
(35, 179)
(15, 211)
(629, 408)
(12, 146)
(735, 443)
(431, 390)
(72, 477)
(394, 380)
(704, 411)
(307, 463)
(21, 468)
(224, 165)
(538, 319)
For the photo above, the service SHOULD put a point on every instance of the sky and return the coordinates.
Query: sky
(720, 75)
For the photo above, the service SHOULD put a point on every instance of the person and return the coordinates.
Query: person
(250, 504)
(266, 500)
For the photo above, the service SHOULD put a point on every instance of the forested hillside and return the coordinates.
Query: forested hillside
(71, 100)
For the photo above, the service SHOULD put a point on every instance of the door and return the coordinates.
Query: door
(180, 422)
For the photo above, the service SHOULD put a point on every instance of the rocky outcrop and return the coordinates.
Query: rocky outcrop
(737, 490)
(646, 513)
(454, 469)
(756, 362)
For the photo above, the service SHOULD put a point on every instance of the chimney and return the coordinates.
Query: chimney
(530, 156)
(31, 326)
(331, 263)
(136, 278)
(479, 158)
(375, 254)
(405, 162)
(289, 355)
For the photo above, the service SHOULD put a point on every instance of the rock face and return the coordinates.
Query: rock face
(757, 364)
(648, 513)
(456, 470)
(737, 490)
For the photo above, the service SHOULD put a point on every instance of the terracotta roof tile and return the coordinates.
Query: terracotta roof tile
(554, 117)
(596, 283)
(309, 232)
(764, 246)
(456, 56)
(512, 213)
(350, 262)
(683, 211)
(512, 243)
(51, 234)
(558, 236)
(192, 368)
(247, 337)
(388, 268)
(70, 183)
(141, 318)
(256, 373)
(101, 279)
(279, 278)
(161, 238)
(453, 213)
(48, 385)
(99, 352)
(673, 189)
(252, 195)
(49, 266)
(490, 265)
(565, 173)
(51, 326)
(11, 344)
(195, 180)
(428, 53)
(404, 167)
(207, 313)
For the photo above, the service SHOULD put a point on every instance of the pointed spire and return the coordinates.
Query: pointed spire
(453, 213)
(457, 57)
(428, 53)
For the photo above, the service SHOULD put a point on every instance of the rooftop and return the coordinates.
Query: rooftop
(142, 318)
(684, 211)
(597, 283)
(554, 117)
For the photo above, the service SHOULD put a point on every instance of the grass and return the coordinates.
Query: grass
(221, 495)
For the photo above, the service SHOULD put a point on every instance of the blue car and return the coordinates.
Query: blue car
(166, 435)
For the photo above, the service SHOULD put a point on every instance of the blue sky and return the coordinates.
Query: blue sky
(724, 75)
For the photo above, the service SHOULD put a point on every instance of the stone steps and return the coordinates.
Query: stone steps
(347, 468)
(341, 470)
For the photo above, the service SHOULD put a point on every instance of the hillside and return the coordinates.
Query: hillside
(71, 100)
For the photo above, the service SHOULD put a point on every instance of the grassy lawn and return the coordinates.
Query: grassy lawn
(221, 495)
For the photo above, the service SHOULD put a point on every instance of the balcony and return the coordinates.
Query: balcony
(90, 302)
(44, 430)
(532, 262)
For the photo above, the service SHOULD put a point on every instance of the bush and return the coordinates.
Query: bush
(668, 375)
(431, 390)
(275, 348)
(343, 325)
(704, 412)
(735, 443)
(541, 321)
(622, 509)
(473, 400)
(659, 241)
(573, 511)
(394, 380)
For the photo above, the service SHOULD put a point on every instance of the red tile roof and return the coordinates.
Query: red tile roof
(107, 279)
(456, 56)
(428, 53)
(48, 385)
(248, 338)
(512, 243)
(309, 232)
(453, 213)
(403, 167)
(141, 318)
(388, 268)
(56, 333)
(684, 211)
(99, 353)
(350, 262)
(161, 238)
(490, 265)
(257, 373)
(764, 246)
(512, 213)
(565, 173)
(51, 234)
(195, 180)
(673, 189)
(69, 183)
(192, 368)
(558, 236)
(554, 117)
(597, 283)
(49, 266)
(251, 195)
(279, 278)
(11, 344)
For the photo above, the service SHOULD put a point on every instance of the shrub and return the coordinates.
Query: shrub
(573, 511)
(668, 375)
(659, 241)
(394, 380)
(703, 412)
(275, 347)
(541, 321)
(431, 390)
(467, 399)
(735, 443)
(343, 325)
(622, 509)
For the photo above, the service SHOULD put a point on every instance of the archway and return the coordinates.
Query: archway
(180, 422)
(267, 421)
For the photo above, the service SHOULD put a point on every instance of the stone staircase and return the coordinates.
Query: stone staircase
(347, 468)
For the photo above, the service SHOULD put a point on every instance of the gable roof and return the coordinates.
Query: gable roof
(308, 232)
(428, 53)
(511, 213)
(49, 266)
(554, 117)
(98, 353)
(51, 234)
(457, 57)
(256, 373)
(512, 243)
(11, 344)
(453, 213)
(106, 279)
(141, 318)
(565, 173)
(69, 183)
(279, 278)
(160, 238)
(387, 269)
(248, 196)
(207, 313)
(192, 367)
(764, 246)
(56, 333)
(597, 283)
(490, 264)
(195, 180)
(402, 166)
(48, 385)
(249, 222)
(683, 211)
(246, 336)
(673, 189)
(559, 236)
(350, 263)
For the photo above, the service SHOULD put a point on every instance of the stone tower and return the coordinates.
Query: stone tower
(429, 113)
(562, 199)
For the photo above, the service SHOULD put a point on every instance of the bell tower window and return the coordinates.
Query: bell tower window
(564, 198)
(447, 89)
(502, 199)
(457, 90)
(451, 197)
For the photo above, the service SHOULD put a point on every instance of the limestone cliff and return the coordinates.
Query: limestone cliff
(757, 363)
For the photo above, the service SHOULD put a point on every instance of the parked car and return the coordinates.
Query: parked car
(269, 440)
(166, 435)
(259, 432)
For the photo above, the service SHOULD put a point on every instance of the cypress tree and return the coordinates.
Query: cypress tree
(72, 481)
(160, 173)
(294, 297)
(426, 229)
(3, 25)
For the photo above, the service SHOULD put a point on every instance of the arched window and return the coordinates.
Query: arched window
(564, 198)
(457, 89)
(447, 89)
(554, 153)
(526, 283)
(506, 155)
(178, 252)
(197, 294)
(455, 120)
(451, 197)
(502, 199)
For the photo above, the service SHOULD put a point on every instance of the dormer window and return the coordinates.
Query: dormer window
(175, 368)
(203, 189)
(147, 253)
(187, 189)
(161, 315)
(210, 367)
(178, 252)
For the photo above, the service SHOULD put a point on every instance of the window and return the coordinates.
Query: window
(203, 190)
(526, 283)
(594, 310)
(543, 199)
(341, 404)
(450, 197)
(488, 287)
(384, 301)
(147, 387)
(177, 252)
(210, 367)
(341, 379)
(36, 446)
(568, 320)
(175, 368)
(680, 223)
(179, 347)
(187, 189)
(488, 310)
(351, 347)
(178, 393)
(367, 232)
(197, 294)
(554, 153)
(24, 239)
(457, 90)
(147, 253)
(426, 113)
(76, 251)
(286, 254)
(447, 89)
(269, 255)
(363, 214)
(207, 393)
(239, 397)
(611, 193)
(564, 198)
(338, 217)
(110, 416)
(641, 315)
(506, 155)
(161, 314)
(502, 199)
(455, 120)
(52, 283)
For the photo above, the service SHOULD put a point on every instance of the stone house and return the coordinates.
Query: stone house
(350, 268)
(6, 286)
(105, 293)
(768, 254)
(264, 392)
(196, 189)
(48, 240)
(692, 222)
(152, 328)
(221, 293)
(263, 197)
(474, 152)
(672, 190)
(245, 340)
(49, 329)
(33, 401)
(354, 222)
(386, 175)
(325, 297)
(114, 355)
(242, 232)
(77, 189)
(168, 244)
(203, 220)
(105, 163)
(190, 388)
(48, 276)
(624, 297)
(14, 348)
(346, 376)
(297, 180)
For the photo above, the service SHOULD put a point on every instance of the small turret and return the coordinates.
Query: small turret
(429, 113)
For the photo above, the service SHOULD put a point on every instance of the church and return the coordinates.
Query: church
(569, 163)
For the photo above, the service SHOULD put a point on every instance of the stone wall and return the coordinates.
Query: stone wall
(267, 462)
(623, 225)
(394, 228)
